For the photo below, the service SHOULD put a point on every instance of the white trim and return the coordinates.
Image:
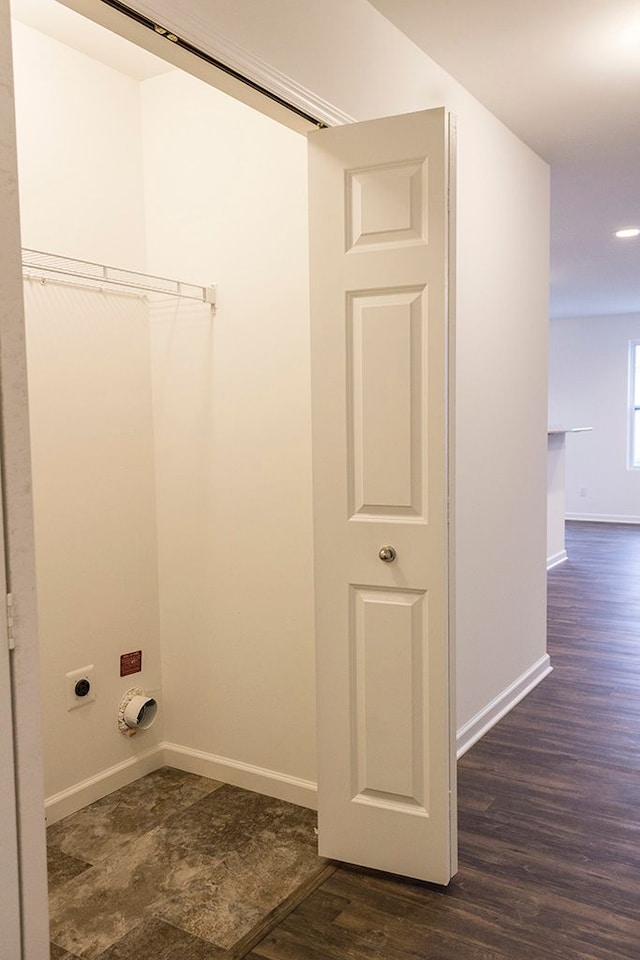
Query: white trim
(272, 783)
(283, 86)
(556, 558)
(259, 779)
(262, 780)
(88, 791)
(602, 518)
(476, 728)
(191, 28)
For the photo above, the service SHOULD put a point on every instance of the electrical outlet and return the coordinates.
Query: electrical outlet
(81, 687)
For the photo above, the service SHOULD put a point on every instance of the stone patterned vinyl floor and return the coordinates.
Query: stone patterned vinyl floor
(174, 867)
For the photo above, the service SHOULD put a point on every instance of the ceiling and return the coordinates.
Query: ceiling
(564, 75)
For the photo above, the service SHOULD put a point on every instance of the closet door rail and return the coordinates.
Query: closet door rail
(37, 265)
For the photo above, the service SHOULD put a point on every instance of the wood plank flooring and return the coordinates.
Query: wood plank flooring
(549, 806)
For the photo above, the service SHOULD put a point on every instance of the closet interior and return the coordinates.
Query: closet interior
(170, 436)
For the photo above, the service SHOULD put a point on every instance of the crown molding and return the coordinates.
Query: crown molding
(197, 33)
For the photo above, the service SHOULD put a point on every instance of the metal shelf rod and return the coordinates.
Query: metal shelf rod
(39, 265)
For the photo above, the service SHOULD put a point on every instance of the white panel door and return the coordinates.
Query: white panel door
(379, 268)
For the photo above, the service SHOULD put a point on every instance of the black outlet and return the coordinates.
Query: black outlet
(82, 688)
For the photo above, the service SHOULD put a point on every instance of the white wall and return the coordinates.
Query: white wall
(80, 168)
(501, 441)
(502, 220)
(589, 386)
(225, 194)
(79, 149)
(93, 481)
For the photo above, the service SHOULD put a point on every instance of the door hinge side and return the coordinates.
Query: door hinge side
(10, 624)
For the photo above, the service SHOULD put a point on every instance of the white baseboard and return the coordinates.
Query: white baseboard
(556, 558)
(261, 780)
(88, 791)
(602, 517)
(272, 783)
(476, 728)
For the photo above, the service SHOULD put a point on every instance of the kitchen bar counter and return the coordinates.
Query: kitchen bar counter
(556, 442)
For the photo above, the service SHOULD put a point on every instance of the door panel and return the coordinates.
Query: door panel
(388, 668)
(379, 262)
(385, 333)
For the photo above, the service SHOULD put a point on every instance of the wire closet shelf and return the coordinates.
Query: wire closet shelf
(37, 265)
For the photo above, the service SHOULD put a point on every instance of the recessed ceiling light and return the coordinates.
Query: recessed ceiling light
(628, 232)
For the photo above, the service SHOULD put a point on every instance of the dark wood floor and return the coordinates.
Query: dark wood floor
(549, 806)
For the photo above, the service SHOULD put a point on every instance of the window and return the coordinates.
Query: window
(634, 404)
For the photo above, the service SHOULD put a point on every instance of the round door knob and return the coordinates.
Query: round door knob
(387, 554)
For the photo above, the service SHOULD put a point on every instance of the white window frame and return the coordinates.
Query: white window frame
(634, 407)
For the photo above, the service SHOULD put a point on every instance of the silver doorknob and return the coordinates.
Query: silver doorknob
(387, 554)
